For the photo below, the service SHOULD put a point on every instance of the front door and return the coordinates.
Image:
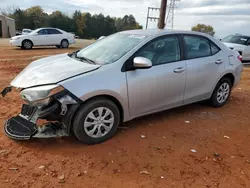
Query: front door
(205, 65)
(161, 86)
(43, 38)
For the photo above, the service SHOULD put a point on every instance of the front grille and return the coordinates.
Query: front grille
(28, 110)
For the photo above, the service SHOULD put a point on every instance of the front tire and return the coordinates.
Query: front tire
(27, 44)
(96, 121)
(221, 93)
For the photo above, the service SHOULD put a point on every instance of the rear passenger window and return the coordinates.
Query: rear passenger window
(54, 32)
(197, 47)
(214, 49)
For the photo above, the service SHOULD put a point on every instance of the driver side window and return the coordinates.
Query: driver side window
(162, 50)
(43, 32)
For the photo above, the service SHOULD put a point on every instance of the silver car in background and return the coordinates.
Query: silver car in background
(123, 76)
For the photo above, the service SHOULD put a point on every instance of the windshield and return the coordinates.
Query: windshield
(111, 48)
(236, 39)
(35, 31)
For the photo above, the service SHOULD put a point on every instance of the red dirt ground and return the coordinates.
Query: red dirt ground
(165, 152)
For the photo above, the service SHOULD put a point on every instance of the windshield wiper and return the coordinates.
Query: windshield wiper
(74, 55)
(85, 59)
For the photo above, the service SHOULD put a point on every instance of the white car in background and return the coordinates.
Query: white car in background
(44, 37)
(26, 31)
(240, 43)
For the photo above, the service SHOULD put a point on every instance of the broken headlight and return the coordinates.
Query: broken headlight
(40, 95)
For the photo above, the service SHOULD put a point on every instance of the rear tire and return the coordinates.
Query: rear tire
(27, 44)
(221, 93)
(96, 121)
(65, 43)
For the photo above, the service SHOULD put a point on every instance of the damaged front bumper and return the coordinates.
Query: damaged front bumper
(57, 109)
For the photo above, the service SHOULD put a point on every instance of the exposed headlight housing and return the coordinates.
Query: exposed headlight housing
(16, 38)
(41, 94)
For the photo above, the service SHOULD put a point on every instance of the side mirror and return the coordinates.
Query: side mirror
(101, 37)
(35, 34)
(142, 63)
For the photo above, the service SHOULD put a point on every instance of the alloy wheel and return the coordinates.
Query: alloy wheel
(64, 44)
(27, 44)
(223, 92)
(99, 122)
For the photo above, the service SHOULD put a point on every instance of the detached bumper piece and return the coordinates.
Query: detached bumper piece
(19, 128)
(22, 128)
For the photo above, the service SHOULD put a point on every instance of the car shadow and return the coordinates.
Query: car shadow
(70, 143)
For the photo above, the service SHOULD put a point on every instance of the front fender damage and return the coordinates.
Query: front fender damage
(58, 115)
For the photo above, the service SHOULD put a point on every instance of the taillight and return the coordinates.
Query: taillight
(239, 58)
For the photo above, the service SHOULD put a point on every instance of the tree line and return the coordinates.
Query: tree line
(84, 25)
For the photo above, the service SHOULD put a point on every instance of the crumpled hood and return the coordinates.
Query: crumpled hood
(237, 47)
(51, 70)
(18, 37)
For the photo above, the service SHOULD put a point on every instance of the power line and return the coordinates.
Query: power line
(171, 11)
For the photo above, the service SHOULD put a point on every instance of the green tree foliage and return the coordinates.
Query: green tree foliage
(37, 17)
(84, 25)
(59, 20)
(204, 29)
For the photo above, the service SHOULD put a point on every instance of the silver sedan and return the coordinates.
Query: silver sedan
(118, 78)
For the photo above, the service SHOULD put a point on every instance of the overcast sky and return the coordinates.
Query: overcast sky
(226, 16)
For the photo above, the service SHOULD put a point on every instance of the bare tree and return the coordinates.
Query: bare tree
(8, 10)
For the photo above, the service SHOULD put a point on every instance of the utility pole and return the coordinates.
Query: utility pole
(161, 24)
(149, 17)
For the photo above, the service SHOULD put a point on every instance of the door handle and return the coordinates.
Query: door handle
(219, 61)
(179, 69)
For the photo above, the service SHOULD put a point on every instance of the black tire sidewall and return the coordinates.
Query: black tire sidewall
(213, 99)
(65, 41)
(78, 123)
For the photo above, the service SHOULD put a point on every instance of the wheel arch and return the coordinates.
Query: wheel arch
(111, 98)
(27, 40)
(65, 39)
(230, 76)
(73, 110)
(226, 75)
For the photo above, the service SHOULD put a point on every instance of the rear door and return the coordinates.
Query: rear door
(205, 65)
(55, 36)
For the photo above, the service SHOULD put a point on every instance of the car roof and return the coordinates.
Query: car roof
(241, 35)
(156, 32)
(48, 28)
